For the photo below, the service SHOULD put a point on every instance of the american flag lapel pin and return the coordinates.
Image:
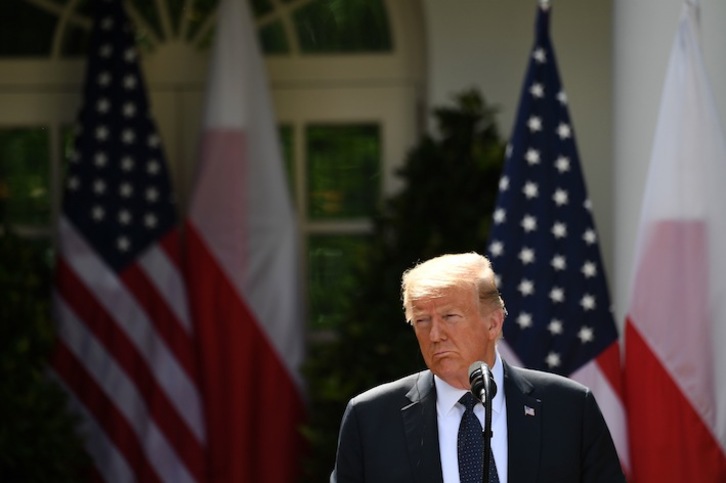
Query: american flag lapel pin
(528, 411)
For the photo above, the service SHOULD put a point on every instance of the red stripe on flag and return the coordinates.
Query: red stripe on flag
(118, 430)
(165, 323)
(253, 407)
(94, 316)
(669, 442)
(609, 363)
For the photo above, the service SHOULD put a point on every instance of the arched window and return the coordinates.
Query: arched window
(347, 79)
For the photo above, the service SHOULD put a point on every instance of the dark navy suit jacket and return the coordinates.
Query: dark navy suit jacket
(389, 433)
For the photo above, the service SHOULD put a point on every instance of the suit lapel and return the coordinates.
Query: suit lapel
(422, 434)
(524, 426)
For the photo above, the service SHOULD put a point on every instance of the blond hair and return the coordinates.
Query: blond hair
(457, 270)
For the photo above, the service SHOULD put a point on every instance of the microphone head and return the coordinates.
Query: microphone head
(481, 379)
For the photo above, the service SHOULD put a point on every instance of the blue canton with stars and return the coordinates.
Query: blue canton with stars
(543, 244)
(118, 193)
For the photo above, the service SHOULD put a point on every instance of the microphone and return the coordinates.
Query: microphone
(482, 382)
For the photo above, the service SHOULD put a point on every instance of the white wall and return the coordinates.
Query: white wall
(612, 57)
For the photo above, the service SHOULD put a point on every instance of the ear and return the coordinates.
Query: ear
(496, 323)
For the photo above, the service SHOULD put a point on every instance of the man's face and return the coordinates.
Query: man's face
(452, 334)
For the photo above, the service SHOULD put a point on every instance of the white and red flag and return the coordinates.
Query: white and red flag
(126, 346)
(675, 365)
(242, 269)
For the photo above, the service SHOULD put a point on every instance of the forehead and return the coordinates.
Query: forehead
(446, 298)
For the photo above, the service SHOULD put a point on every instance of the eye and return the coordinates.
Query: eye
(422, 320)
(452, 317)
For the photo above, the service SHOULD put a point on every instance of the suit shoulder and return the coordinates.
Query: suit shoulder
(395, 389)
(548, 381)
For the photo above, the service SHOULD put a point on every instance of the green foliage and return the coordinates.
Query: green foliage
(450, 189)
(37, 437)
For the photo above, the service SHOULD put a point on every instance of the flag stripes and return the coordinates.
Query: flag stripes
(126, 346)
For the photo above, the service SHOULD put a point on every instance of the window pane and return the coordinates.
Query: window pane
(344, 171)
(24, 176)
(273, 39)
(334, 26)
(25, 30)
(287, 139)
(331, 261)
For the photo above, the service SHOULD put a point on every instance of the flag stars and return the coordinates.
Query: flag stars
(105, 51)
(562, 164)
(537, 90)
(589, 236)
(496, 248)
(539, 55)
(524, 320)
(73, 183)
(101, 133)
(130, 55)
(130, 82)
(500, 215)
(104, 79)
(150, 221)
(152, 195)
(154, 141)
(153, 167)
(100, 159)
(508, 151)
(129, 109)
(99, 187)
(530, 190)
(127, 163)
(559, 229)
(504, 183)
(532, 156)
(564, 131)
(586, 334)
(124, 217)
(555, 327)
(557, 295)
(128, 136)
(560, 197)
(526, 287)
(529, 223)
(103, 105)
(589, 269)
(562, 97)
(126, 190)
(553, 360)
(526, 256)
(558, 262)
(587, 302)
(534, 123)
(98, 213)
(123, 244)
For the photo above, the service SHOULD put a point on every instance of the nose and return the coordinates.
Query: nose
(437, 332)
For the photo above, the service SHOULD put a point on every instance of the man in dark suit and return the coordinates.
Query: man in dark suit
(546, 428)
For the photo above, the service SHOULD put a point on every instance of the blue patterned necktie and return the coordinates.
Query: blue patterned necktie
(470, 444)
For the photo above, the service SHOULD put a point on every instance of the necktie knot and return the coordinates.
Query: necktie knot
(469, 401)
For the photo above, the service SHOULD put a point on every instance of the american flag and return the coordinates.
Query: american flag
(543, 244)
(125, 344)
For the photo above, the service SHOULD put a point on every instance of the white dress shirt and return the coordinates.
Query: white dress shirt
(449, 412)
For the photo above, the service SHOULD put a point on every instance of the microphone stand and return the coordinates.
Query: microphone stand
(487, 430)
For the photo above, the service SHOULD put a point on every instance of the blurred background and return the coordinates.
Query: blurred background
(355, 84)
